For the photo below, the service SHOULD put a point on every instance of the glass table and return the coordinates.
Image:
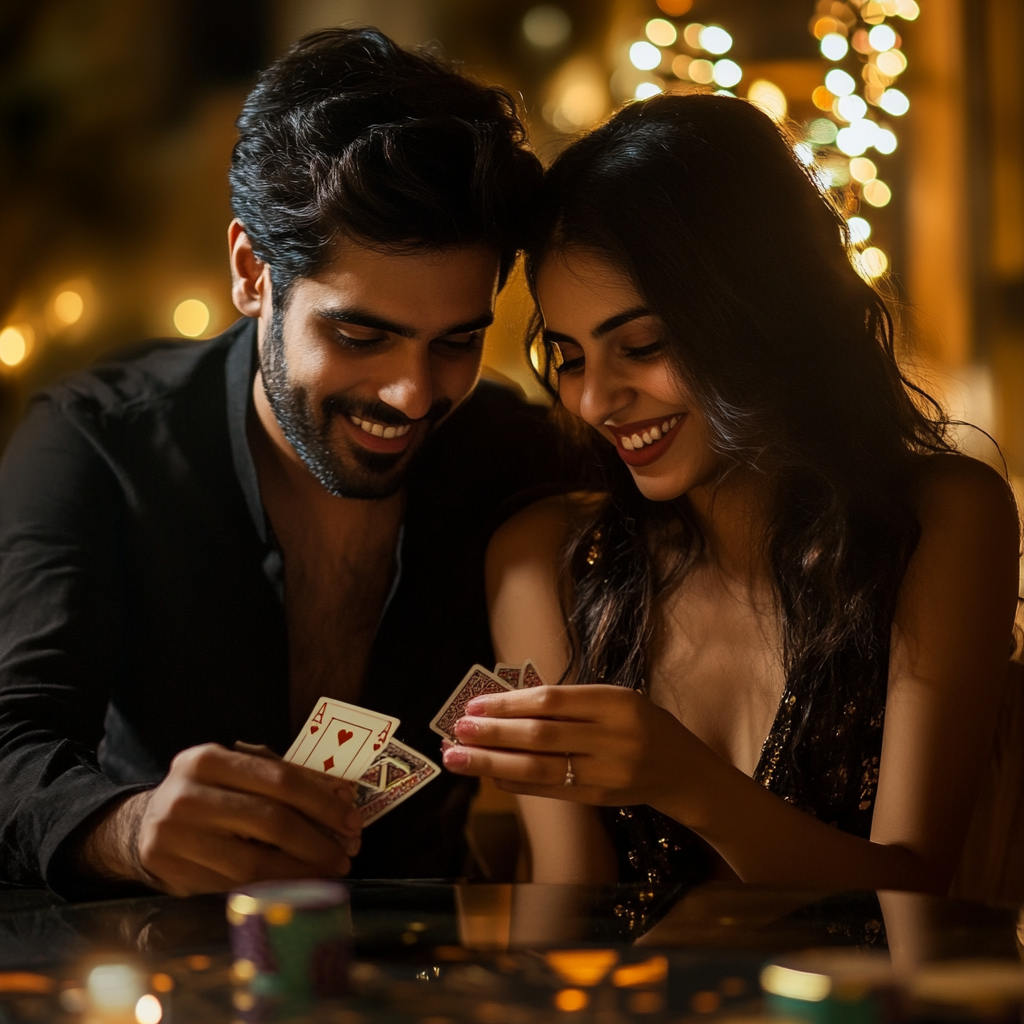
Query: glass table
(440, 953)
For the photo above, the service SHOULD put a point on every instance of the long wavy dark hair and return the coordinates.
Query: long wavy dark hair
(790, 353)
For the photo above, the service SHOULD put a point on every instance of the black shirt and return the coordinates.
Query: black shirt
(141, 595)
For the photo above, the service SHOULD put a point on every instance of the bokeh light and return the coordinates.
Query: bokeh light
(661, 32)
(804, 153)
(113, 986)
(851, 108)
(691, 35)
(860, 229)
(191, 317)
(834, 46)
(822, 131)
(715, 40)
(546, 26)
(675, 8)
(15, 343)
(862, 169)
(769, 97)
(876, 192)
(873, 262)
(892, 63)
(681, 65)
(569, 1000)
(894, 102)
(727, 73)
(882, 38)
(68, 307)
(908, 10)
(851, 142)
(148, 1010)
(839, 82)
(644, 56)
(645, 90)
(822, 98)
(885, 141)
(702, 71)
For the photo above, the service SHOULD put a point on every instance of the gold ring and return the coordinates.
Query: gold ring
(570, 777)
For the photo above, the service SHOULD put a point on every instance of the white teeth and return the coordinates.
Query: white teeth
(356, 420)
(665, 428)
(627, 444)
(673, 422)
(637, 441)
(655, 433)
(377, 430)
(647, 437)
(366, 427)
(402, 431)
(389, 432)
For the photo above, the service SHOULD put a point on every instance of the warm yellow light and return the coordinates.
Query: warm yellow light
(681, 66)
(702, 71)
(908, 10)
(876, 192)
(191, 317)
(113, 986)
(891, 63)
(14, 344)
(644, 56)
(582, 103)
(585, 967)
(769, 97)
(675, 8)
(873, 262)
(691, 35)
(148, 1010)
(882, 38)
(791, 984)
(569, 1000)
(645, 90)
(661, 32)
(862, 169)
(822, 98)
(834, 46)
(649, 972)
(546, 26)
(860, 230)
(162, 982)
(873, 12)
(894, 102)
(715, 40)
(68, 307)
(827, 26)
(727, 73)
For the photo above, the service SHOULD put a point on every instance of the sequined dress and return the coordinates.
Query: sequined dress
(657, 850)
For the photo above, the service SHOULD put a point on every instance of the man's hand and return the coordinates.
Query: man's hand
(221, 819)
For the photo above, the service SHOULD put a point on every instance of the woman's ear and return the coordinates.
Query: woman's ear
(250, 276)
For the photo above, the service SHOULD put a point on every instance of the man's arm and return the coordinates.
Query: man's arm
(219, 818)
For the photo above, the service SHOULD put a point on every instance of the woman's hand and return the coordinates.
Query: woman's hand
(624, 749)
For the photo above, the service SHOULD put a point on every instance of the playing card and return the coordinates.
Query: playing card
(475, 683)
(531, 677)
(510, 673)
(341, 739)
(396, 773)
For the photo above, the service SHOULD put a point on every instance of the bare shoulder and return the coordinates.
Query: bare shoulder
(540, 531)
(957, 493)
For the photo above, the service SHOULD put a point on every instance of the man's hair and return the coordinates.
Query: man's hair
(351, 136)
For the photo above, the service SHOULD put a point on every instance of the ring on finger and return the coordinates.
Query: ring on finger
(570, 775)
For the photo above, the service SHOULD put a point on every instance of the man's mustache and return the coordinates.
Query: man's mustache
(379, 412)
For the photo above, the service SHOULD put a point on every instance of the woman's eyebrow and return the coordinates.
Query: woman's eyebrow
(555, 336)
(618, 320)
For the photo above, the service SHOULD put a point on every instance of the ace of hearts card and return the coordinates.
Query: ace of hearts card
(341, 739)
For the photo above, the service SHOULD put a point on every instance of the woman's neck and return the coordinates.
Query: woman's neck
(732, 512)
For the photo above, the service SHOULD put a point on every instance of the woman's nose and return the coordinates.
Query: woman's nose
(603, 395)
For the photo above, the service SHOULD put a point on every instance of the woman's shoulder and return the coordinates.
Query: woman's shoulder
(542, 529)
(954, 490)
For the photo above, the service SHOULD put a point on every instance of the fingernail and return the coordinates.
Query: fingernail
(477, 706)
(455, 758)
(354, 821)
(446, 745)
(466, 727)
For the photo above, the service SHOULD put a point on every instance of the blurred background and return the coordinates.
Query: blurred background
(117, 121)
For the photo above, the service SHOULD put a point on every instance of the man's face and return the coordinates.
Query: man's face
(371, 354)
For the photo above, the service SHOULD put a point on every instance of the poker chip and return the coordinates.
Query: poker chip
(291, 937)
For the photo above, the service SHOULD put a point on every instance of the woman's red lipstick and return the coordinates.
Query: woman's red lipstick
(640, 443)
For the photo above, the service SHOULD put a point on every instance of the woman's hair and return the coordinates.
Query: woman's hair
(790, 354)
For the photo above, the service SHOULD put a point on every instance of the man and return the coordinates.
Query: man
(199, 540)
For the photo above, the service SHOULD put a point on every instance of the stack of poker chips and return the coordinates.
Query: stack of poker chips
(291, 938)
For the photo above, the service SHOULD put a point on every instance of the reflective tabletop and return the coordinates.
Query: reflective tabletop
(437, 952)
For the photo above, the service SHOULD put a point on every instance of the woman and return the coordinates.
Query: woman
(794, 604)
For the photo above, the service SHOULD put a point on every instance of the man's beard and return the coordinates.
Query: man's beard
(370, 475)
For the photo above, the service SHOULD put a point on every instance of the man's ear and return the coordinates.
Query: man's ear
(250, 276)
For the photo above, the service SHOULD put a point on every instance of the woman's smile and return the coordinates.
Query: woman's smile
(644, 441)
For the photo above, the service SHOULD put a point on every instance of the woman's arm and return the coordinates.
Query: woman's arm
(949, 660)
(567, 841)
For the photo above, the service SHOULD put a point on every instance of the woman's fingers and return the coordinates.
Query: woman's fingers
(580, 703)
(533, 769)
(544, 735)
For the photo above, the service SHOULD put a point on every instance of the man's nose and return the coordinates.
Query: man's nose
(409, 387)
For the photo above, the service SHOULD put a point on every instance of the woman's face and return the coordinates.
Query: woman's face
(616, 375)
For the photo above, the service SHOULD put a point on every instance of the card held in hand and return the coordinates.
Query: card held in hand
(531, 677)
(396, 773)
(512, 674)
(341, 739)
(477, 682)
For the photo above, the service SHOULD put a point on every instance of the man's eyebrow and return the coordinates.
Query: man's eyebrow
(606, 326)
(358, 317)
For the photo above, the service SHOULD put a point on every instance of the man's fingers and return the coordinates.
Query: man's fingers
(318, 797)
